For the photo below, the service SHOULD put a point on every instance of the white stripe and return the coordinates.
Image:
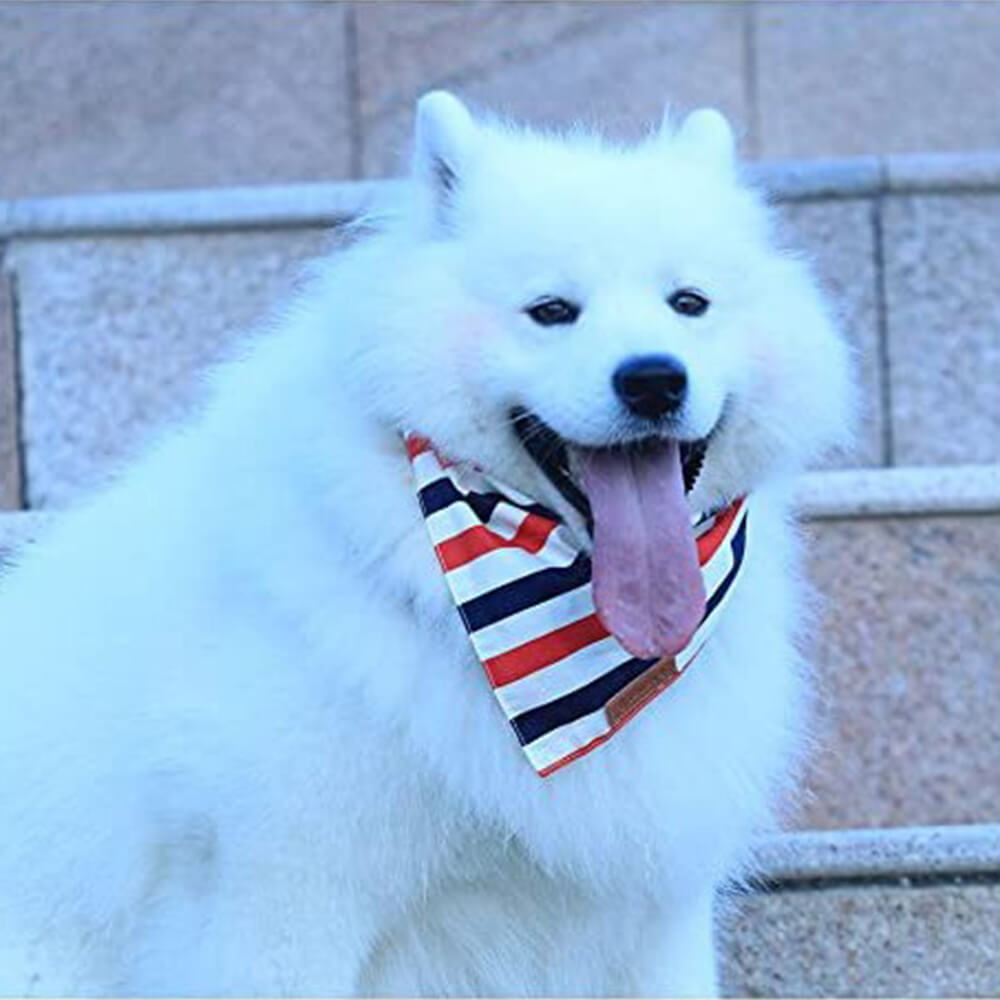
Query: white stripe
(458, 517)
(451, 521)
(506, 520)
(715, 570)
(561, 742)
(426, 468)
(523, 626)
(502, 566)
(562, 677)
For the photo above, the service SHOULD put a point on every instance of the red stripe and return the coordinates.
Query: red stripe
(544, 651)
(532, 534)
(416, 445)
(712, 539)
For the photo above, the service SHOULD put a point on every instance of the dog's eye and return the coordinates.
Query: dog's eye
(688, 302)
(552, 311)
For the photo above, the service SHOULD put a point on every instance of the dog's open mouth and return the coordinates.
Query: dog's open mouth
(648, 588)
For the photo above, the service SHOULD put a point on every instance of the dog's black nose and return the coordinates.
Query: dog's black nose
(651, 385)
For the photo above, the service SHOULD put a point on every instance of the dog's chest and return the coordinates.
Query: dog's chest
(688, 776)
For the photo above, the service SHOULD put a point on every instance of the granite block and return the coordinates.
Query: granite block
(874, 855)
(614, 65)
(823, 177)
(839, 238)
(934, 940)
(907, 650)
(101, 96)
(943, 172)
(402, 44)
(846, 78)
(942, 258)
(115, 332)
(896, 491)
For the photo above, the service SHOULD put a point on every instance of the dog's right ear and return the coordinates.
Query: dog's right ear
(442, 143)
(707, 133)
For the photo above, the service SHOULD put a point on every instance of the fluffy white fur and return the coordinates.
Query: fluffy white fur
(244, 744)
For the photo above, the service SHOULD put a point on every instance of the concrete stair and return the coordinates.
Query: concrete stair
(901, 912)
(111, 305)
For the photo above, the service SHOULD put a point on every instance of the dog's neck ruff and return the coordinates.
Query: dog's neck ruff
(522, 588)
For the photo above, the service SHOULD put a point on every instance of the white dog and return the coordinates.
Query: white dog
(246, 744)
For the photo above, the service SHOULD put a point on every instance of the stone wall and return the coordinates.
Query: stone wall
(123, 95)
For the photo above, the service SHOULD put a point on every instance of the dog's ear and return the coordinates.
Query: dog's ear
(708, 135)
(442, 145)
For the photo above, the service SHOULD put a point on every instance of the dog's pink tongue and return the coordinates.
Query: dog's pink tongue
(648, 589)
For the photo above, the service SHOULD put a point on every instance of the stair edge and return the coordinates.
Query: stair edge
(332, 202)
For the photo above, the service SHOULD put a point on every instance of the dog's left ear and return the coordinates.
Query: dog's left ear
(708, 135)
(442, 146)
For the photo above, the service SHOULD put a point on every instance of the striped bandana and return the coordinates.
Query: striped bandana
(523, 590)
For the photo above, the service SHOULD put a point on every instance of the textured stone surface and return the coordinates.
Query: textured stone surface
(10, 462)
(908, 657)
(943, 297)
(115, 330)
(935, 940)
(914, 489)
(844, 78)
(943, 172)
(551, 63)
(825, 177)
(401, 44)
(311, 204)
(874, 854)
(839, 237)
(101, 96)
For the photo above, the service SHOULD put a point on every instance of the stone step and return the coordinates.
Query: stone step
(906, 646)
(902, 912)
(114, 303)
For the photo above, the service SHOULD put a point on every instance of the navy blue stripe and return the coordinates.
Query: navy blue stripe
(437, 495)
(738, 545)
(538, 721)
(443, 493)
(525, 592)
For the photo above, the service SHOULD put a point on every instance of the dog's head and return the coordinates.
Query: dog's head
(602, 326)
